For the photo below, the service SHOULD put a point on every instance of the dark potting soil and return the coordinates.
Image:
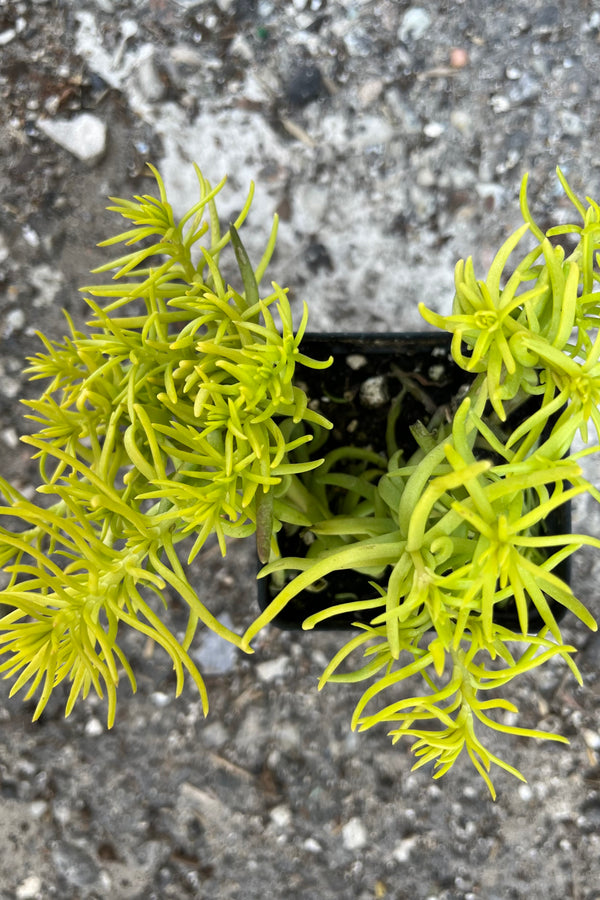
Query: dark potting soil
(368, 372)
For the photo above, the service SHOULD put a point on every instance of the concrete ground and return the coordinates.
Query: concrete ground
(391, 139)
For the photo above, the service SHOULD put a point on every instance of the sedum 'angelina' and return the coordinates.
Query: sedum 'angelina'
(178, 415)
(461, 526)
(171, 417)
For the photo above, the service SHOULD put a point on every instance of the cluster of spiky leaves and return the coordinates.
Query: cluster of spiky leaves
(170, 417)
(461, 526)
(177, 416)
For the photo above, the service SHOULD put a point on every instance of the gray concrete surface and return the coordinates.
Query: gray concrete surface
(391, 138)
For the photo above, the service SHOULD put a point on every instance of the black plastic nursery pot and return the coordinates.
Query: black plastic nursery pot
(355, 393)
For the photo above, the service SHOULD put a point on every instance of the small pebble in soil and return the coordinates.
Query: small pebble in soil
(436, 372)
(373, 391)
(356, 361)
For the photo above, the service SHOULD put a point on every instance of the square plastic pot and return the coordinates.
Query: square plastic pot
(355, 393)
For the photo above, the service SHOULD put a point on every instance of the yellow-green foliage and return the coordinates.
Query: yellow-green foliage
(177, 414)
(461, 523)
(170, 417)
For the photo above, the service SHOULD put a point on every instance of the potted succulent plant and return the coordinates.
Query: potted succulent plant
(415, 493)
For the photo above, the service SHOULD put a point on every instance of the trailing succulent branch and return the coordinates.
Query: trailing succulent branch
(171, 417)
(179, 414)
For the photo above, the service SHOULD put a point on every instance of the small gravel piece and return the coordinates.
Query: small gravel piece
(84, 136)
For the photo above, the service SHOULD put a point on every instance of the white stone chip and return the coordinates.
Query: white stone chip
(84, 136)
(48, 282)
(356, 361)
(402, 851)
(14, 320)
(312, 846)
(525, 792)
(591, 738)
(94, 727)
(373, 391)
(434, 129)
(415, 23)
(161, 699)
(37, 809)
(29, 889)
(7, 36)
(10, 437)
(281, 816)
(354, 834)
(272, 669)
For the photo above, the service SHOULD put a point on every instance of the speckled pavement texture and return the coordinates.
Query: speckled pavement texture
(391, 139)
